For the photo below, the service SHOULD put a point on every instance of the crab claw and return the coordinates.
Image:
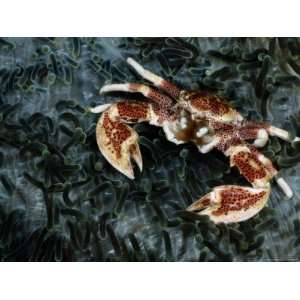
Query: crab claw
(118, 143)
(231, 203)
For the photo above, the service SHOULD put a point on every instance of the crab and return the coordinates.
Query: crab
(199, 117)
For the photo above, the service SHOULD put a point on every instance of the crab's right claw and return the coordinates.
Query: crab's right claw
(231, 203)
(118, 143)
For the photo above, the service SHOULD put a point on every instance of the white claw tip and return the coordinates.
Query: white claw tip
(123, 87)
(130, 176)
(144, 73)
(285, 187)
(282, 134)
(139, 68)
(296, 139)
(99, 109)
(135, 64)
(130, 60)
(102, 90)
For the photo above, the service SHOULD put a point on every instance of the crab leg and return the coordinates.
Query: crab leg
(272, 170)
(159, 82)
(117, 141)
(260, 133)
(283, 134)
(148, 92)
(233, 203)
(254, 131)
(100, 108)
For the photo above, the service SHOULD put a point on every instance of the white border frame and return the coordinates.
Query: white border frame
(149, 18)
(149, 280)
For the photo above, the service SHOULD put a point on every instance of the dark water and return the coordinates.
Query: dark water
(60, 199)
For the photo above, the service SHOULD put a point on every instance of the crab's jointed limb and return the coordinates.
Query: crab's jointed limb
(117, 141)
(282, 134)
(159, 82)
(232, 203)
(152, 94)
(260, 133)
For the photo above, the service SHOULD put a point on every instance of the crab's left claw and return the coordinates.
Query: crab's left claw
(118, 143)
(231, 203)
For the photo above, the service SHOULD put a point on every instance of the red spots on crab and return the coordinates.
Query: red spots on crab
(163, 114)
(267, 162)
(248, 164)
(204, 101)
(235, 199)
(170, 88)
(248, 133)
(229, 141)
(205, 201)
(249, 130)
(133, 111)
(116, 133)
(228, 135)
(161, 99)
(223, 127)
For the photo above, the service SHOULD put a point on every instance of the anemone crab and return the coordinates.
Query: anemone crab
(199, 117)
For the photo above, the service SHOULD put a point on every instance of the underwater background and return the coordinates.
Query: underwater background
(61, 201)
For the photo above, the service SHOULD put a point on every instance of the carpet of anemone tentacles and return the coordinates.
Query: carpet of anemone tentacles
(61, 201)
